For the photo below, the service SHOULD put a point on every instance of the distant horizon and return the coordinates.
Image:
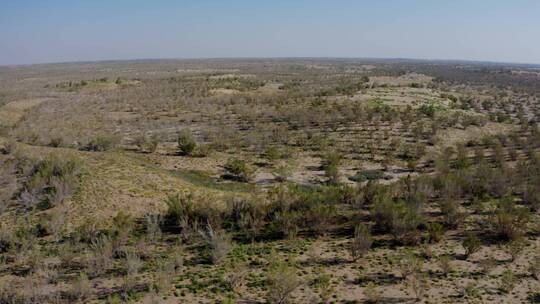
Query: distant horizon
(472, 61)
(57, 31)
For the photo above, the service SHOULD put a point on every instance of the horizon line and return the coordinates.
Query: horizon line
(473, 61)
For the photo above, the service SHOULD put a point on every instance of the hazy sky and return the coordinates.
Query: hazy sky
(36, 31)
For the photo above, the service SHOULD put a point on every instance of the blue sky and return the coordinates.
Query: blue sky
(33, 31)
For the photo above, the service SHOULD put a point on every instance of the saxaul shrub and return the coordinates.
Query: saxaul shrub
(238, 169)
(361, 242)
(509, 221)
(50, 181)
(287, 223)
(102, 142)
(320, 217)
(186, 143)
(444, 264)
(471, 244)
(218, 242)
(282, 281)
(435, 232)
(247, 215)
(330, 164)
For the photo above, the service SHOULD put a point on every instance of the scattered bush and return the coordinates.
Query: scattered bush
(102, 142)
(239, 169)
(219, 243)
(361, 242)
(435, 231)
(510, 221)
(186, 143)
(282, 282)
(471, 244)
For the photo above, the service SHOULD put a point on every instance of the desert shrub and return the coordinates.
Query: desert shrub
(282, 281)
(320, 217)
(247, 215)
(435, 232)
(471, 244)
(186, 143)
(508, 281)
(515, 247)
(50, 181)
(203, 150)
(509, 221)
(239, 169)
(419, 284)
(487, 264)
(82, 288)
(218, 242)
(452, 216)
(287, 223)
(330, 164)
(236, 278)
(146, 143)
(100, 258)
(162, 279)
(531, 196)
(444, 264)
(153, 226)
(188, 213)
(462, 159)
(102, 142)
(534, 267)
(122, 227)
(405, 221)
(281, 171)
(373, 295)
(361, 242)
(132, 264)
(409, 264)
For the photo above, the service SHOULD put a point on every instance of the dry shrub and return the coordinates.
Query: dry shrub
(471, 244)
(81, 289)
(361, 242)
(282, 281)
(409, 265)
(373, 295)
(100, 258)
(247, 215)
(444, 264)
(510, 221)
(219, 243)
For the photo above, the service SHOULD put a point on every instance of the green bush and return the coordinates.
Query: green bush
(186, 143)
(239, 169)
(102, 142)
(510, 221)
(471, 244)
(436, 232)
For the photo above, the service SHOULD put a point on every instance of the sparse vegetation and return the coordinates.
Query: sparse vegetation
(279, 181)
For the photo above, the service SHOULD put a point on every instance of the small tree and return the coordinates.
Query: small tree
(186, 143)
